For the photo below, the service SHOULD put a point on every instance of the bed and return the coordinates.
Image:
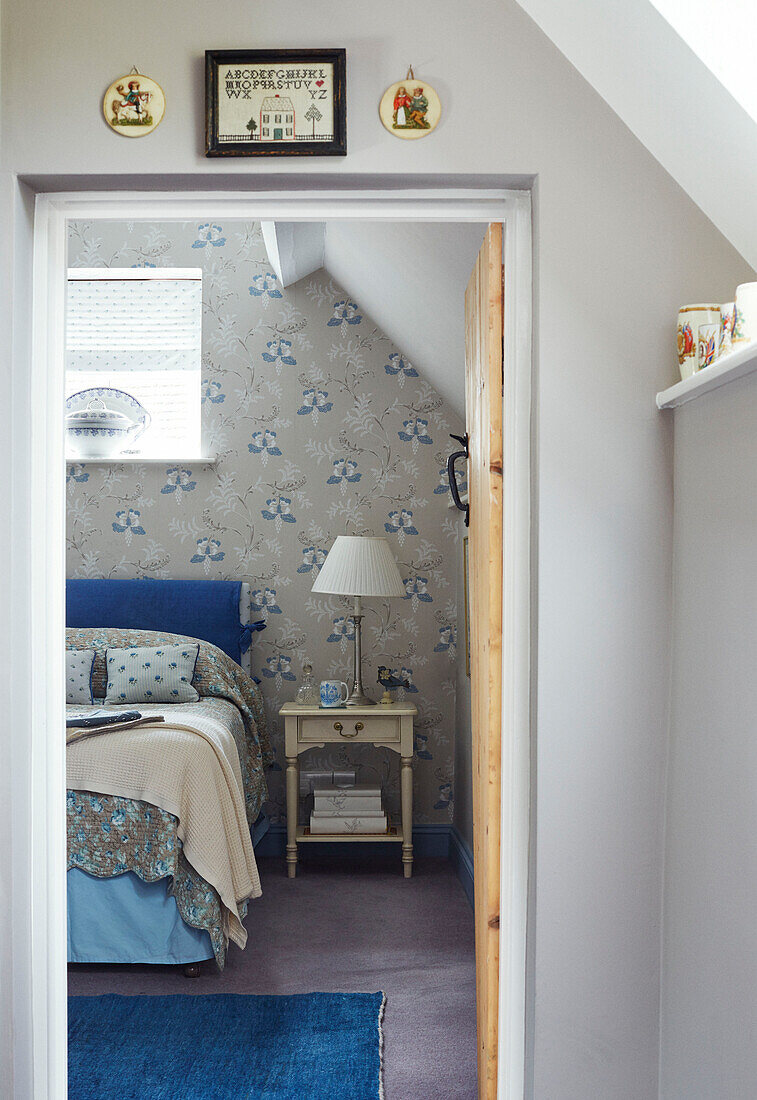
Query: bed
(135, 891)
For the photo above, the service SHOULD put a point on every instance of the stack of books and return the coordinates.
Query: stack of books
(347, 810)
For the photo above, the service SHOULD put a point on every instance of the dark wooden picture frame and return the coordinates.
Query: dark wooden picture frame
(297, 145)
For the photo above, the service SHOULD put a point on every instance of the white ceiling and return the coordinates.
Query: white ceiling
(727, 43)
(408, 277)
(668, 97)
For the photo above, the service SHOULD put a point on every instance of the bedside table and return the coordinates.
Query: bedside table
(385, 726)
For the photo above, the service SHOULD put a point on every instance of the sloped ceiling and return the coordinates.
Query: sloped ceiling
(669, 99)
(727, 45)
(295, 249)
(409, 277)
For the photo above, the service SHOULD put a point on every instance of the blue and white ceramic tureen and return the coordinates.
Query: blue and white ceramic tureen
(93, 430)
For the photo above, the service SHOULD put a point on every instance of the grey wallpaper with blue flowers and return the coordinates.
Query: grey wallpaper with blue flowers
(322, 427)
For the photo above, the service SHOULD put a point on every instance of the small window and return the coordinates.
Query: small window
(265, 118)
(265, 131)
(139, 331)
(289, 131)
(278, 118)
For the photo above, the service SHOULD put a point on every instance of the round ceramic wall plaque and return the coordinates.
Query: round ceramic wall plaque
(410, 108)
(133, 105)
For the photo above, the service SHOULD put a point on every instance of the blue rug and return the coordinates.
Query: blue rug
(312, 1046)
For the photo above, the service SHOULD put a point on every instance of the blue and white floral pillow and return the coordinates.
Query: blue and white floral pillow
(80, 665)
(145, 674)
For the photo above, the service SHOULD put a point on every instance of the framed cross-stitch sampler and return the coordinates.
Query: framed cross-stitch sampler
(281, 103)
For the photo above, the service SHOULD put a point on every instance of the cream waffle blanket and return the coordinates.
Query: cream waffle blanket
(189, 766)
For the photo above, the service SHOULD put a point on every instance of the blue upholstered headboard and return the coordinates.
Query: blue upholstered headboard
(200, 609)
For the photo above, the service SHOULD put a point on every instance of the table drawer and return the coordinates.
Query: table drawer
(382, 728)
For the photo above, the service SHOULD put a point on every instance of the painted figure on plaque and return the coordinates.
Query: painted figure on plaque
(134, 100)
(418, 109)
(410, 110)
(401, 103)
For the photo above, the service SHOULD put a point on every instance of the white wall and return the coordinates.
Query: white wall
(709, 995)
(619, 247)
(6, 947)
(16, 658)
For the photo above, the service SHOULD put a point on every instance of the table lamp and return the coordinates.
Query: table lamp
(359, 565)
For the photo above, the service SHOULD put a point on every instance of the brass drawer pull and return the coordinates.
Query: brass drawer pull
(341, 730)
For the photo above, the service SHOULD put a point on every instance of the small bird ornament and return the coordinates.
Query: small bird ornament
(388, 680)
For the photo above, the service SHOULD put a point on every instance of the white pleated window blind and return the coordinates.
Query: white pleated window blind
(139, 330)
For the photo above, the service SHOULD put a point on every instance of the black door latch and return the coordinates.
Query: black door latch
(452, 476)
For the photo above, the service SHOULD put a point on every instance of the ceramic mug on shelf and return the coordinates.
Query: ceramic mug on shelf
(727, 314)
(745, 317)
(690, 348)
(331, 693)
(707, 345)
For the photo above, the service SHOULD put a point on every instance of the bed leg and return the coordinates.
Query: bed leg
(192, 970)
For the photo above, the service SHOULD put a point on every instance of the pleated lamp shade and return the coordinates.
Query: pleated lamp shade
(358, 565)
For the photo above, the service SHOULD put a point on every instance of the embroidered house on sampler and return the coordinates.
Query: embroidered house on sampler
(277, 118)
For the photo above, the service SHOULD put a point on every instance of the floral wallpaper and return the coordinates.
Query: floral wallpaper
(322, 427)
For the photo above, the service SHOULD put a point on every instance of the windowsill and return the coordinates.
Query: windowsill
(137, 460)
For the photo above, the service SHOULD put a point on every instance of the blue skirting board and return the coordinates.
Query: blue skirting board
(436, 841)
(462, 860)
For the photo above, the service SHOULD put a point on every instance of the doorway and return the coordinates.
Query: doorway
(513, 210)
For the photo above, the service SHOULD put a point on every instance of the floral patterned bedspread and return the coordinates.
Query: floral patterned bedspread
(109, 835)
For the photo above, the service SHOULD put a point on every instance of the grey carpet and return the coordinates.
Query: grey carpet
(345, 927)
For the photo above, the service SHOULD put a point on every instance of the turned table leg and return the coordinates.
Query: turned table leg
(406, 790)
(293, 795)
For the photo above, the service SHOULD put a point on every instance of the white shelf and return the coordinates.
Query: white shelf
(135, 460)
(738, 364)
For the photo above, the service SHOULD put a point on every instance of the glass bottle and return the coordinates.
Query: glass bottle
(307, 695)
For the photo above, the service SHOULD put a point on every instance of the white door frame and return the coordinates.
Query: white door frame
(42, 614)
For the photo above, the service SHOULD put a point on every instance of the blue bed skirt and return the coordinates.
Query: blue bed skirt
(126, 920)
